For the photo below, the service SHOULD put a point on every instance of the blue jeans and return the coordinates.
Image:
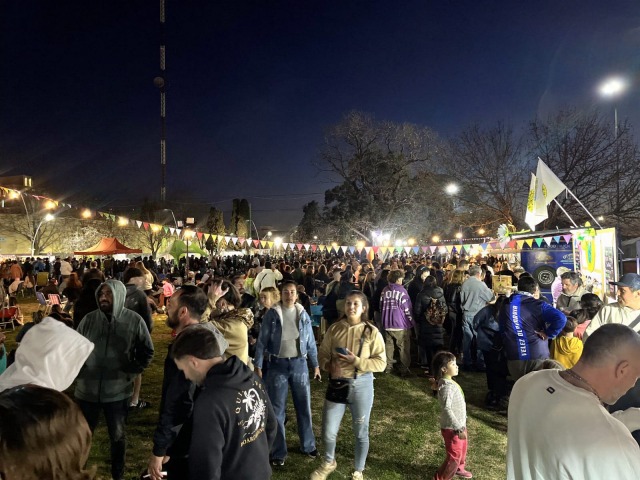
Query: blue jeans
(468, 333)
(115, 414)
(360, 406)
(281, 375)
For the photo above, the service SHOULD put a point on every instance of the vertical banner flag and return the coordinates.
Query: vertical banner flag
(548, 187)
(533, 218)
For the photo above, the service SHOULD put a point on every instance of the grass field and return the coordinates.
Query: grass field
(404, 429)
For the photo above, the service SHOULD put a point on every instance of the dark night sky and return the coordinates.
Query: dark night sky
(253, 84)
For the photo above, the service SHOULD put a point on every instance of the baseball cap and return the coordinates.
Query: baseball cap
(420, 270)
(630, 280)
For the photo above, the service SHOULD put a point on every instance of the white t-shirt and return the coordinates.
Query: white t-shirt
(558, 431)
(612, 313)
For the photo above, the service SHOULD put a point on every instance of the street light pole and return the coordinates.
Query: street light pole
(611, 88)
(47, 218)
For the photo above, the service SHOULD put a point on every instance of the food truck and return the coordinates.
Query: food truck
(592, 252)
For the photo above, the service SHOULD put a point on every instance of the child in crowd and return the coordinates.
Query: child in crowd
(566, 348)
(590, 304)
(453, 417)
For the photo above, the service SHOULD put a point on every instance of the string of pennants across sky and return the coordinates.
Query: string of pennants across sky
(444, 247)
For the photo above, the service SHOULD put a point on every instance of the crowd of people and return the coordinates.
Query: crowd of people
(247, 333)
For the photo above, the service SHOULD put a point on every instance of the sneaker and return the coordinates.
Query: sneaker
(464, 474)
(312, 454)
(139, 406)
(323, 471)
(357, 476)
(277, 462)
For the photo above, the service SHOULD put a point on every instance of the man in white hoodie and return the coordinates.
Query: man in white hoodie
(50, 355)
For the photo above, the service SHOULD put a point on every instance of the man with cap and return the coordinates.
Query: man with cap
(626, 311)
(556, 286)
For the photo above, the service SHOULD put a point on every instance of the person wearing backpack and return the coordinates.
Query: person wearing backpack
(430, 311)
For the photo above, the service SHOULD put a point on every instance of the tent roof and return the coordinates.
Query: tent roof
(108, 246)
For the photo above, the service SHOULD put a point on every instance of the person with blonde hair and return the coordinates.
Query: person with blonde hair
(43, 434)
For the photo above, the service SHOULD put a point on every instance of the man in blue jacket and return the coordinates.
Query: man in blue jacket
(286, 341)
(123, 349)
(526, 324)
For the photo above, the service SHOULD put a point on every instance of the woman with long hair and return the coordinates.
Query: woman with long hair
(454, 321)
(352, 349)
(590, 304)
(148, 277)
(72, 291)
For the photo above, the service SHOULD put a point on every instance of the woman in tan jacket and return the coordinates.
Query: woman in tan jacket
(233, 322)
(352, 347)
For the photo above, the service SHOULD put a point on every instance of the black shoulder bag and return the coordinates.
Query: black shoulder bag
(340, 389)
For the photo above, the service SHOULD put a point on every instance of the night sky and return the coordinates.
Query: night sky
(252, 86)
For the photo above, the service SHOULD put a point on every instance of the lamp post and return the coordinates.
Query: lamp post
(47, 218)
(612, 88)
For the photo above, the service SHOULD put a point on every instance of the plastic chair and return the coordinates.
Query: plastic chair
(9, 316)
(45, 305)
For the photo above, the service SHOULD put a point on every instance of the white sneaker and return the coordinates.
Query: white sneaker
(357, 476)
(323, 471)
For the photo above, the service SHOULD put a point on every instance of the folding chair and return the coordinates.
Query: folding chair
(45, 305)
(9, 317)
(54, 299)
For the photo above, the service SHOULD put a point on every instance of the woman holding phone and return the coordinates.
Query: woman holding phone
(352, 348)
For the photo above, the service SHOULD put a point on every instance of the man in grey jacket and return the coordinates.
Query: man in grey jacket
(474, 296)
(123, 349)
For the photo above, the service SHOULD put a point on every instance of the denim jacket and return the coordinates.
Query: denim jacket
(271, 333)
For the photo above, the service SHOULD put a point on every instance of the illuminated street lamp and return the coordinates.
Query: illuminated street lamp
(611, 88)
(86, 213)
(481, 231)
(459, 235)
(452, 189)
(435, 239)
(47, 218)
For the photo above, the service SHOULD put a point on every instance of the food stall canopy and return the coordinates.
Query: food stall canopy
(108, 246)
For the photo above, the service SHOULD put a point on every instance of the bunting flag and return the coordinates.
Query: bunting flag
(484, 246)
(299, 246)
(567, 238)
(433, 248)
(313, 248)
(548, 240)
(556, 239)
(538, 241)
(520, 243)
(139, 223)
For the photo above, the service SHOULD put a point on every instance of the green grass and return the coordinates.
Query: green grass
(405, 440)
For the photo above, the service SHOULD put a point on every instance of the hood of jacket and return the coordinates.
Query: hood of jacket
(50, 355)
(567, 346)
(433, 292)
(119, 292)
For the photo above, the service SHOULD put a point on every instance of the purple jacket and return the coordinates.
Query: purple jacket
(396, 308)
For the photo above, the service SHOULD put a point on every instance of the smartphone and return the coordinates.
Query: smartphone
(342, 350)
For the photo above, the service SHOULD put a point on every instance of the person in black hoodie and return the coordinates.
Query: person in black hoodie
(172, 437)
(417, 284)
(430, 320)
(234, 424)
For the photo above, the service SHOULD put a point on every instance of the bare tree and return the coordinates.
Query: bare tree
(384, 172)
(492, 171)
